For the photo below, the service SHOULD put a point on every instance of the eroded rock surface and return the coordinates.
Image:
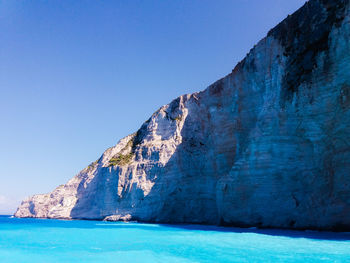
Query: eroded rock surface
(268, 145)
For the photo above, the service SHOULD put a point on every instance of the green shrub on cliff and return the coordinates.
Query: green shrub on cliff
(121, 159)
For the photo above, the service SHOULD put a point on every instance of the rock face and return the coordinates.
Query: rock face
(268, 145)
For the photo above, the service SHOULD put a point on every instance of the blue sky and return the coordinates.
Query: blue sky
(76, 76)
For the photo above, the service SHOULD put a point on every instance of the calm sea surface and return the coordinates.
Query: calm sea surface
(39, 240)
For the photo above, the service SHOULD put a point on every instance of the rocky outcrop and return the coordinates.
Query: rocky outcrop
(268, 145)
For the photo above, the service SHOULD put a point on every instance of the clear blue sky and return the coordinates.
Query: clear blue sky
(76, 76)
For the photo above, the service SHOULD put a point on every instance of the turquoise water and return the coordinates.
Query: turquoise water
(39, 240)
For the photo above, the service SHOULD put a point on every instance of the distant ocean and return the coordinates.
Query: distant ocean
(49, 241)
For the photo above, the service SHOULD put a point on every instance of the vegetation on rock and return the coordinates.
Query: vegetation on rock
(121, 159)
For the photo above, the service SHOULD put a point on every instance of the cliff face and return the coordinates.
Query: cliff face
(268, 145)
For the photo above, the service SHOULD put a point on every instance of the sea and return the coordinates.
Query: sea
(50, 241)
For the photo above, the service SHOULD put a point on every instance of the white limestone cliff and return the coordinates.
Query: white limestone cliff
(268, 145)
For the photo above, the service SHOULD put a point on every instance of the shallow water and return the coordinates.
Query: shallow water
(40, 240)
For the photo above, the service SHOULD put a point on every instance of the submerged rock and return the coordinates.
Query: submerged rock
(268, 145)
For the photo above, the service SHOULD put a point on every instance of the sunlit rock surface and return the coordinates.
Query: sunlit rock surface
(268, 145)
